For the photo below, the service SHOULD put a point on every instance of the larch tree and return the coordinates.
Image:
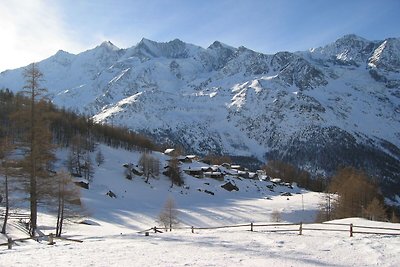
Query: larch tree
(5, 148)
(68, 192)
(394, 218)
(375, 210)
(99, 157)
(174, 172)
(169, 214)
(150, 165)
(76, 155)
(38, 139)
(355, 192)
(88, 169)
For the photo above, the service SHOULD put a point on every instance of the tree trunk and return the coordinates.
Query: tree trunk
(3, 230)
(62, 210)
(33, 196)
(33, 206)
(58, 210)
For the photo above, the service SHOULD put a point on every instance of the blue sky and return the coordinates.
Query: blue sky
(35, 29)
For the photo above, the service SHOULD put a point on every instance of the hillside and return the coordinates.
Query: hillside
(319, 109)
(201, 201)
(112, 234)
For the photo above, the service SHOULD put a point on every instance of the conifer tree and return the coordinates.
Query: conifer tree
(38, 140)
(355, 192)
(5, 148)
(174, 172)
(394, 218)
(375, 211)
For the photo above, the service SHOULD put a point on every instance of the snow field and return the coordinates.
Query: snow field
(114, 237)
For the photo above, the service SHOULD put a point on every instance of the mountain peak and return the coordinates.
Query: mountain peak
(172, 49)
(352, 41)
(62, 53)
(386, 56)
(349, 49)
(352, 37)
(219, 45)
(108, 45)
(144, 41)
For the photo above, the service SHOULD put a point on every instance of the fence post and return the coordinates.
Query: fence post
(192, 230)
(351, 230)
(251, 227)
(9, 241)
(51, 239)
(301, 228)
(155, 229)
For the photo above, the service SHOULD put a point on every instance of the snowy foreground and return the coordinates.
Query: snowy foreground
(237, 247)
(115, 238)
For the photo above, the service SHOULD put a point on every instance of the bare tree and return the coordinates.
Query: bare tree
(174, 172)
(394, 218)
(355, 191)
(5, 148)
(169, 215)
(67, 192)
(88, 170)
(6, 199)
(76, 155)
(276, 216)
(326, 207)
(375, 211)
(99, 158)
(150, 165)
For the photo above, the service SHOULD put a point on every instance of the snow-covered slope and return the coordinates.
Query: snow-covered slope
(112, 234)
(319, 109)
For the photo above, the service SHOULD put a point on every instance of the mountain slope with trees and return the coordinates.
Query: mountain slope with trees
(336, 105)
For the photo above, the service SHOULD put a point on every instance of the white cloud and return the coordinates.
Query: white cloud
(31, 30)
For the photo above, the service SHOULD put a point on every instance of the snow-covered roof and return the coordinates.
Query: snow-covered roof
(169, 150)
(252, 174)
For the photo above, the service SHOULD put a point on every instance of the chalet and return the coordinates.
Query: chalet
(187, 159)
(214, 175)
(261, 172)
(195, 172)
(276, 180)
(213, 168)
(262, 175)
(193, 157)
(132, 168)
(243, 174)
(226, 165)
(253, 175)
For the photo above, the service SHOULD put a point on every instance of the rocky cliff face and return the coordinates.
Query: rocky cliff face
(319, 109)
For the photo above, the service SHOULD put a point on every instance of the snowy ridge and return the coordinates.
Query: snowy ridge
(318, 109)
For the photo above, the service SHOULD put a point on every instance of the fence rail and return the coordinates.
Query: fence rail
(300, 227)
(50, 237)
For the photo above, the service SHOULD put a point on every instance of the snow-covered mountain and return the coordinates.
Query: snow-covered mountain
(319, 109)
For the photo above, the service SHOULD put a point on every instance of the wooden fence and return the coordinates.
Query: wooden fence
(293, 227)
(50, 238)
